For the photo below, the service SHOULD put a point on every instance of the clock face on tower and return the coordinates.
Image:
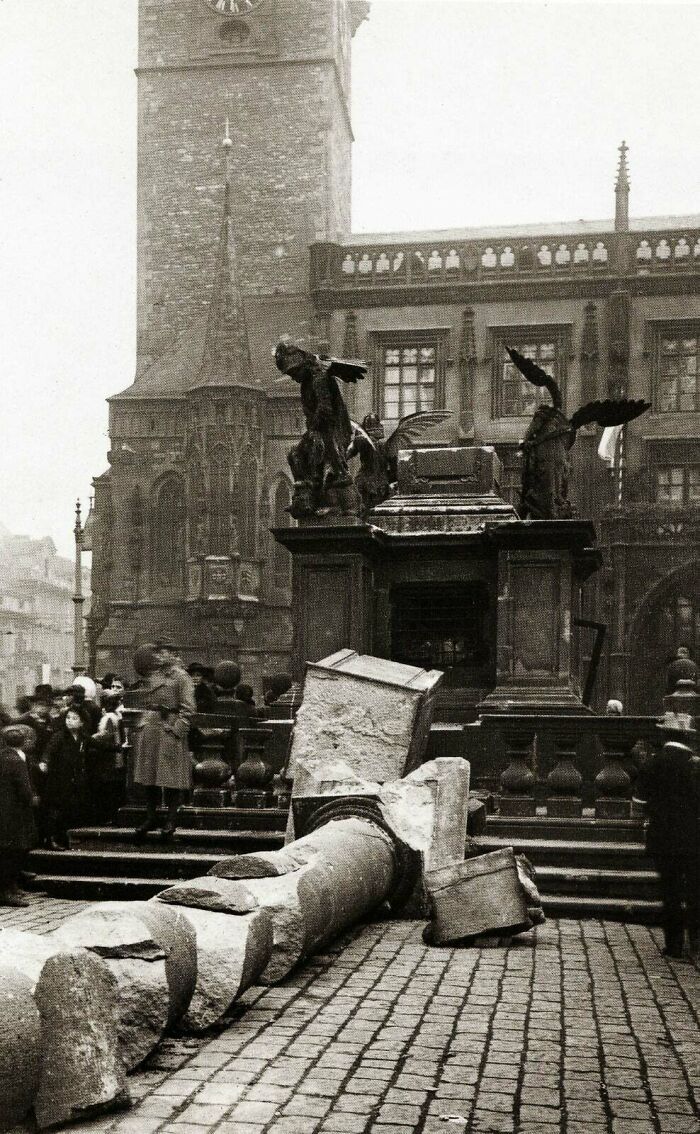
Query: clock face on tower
(233, 7)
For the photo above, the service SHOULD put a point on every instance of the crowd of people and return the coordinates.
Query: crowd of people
(62, 752)
(61, 763)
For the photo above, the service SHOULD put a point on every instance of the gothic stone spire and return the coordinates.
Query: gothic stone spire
(226, 360)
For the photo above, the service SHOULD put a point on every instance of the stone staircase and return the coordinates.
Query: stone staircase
(585, 867)
(104, 862)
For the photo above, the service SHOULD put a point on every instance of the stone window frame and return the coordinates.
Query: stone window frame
(655, 330)
(380, 341)
(663, 456)
(519, 334)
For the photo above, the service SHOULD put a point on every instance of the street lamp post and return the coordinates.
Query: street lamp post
(78, 598)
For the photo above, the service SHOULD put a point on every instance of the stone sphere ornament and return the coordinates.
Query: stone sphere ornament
(227, 675)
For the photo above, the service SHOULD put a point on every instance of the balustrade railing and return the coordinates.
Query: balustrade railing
(561, 765)
(383, 264)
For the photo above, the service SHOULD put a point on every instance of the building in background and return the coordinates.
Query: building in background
(243, 243)
(36, 616)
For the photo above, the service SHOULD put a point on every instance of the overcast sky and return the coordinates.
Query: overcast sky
(464, 114)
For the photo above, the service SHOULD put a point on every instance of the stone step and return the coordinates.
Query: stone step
(121, 863)
(187, 839)
(586, 829)
(214, 818)
(563, 852)
(639, 911)
(94, 887)
(603, 884)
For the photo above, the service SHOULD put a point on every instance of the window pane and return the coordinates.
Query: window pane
(391, 357)
(427, 354)
(410, 354)
(392, 375)
(669, 346)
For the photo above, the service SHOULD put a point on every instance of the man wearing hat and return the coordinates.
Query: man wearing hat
(162, 756)
(204, 695)
(669, 786)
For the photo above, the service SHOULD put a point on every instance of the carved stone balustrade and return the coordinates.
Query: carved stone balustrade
(496, 255)
(568, 765)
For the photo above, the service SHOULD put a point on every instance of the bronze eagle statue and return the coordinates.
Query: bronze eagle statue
(318, 462)
(550, 436)
(379, 458)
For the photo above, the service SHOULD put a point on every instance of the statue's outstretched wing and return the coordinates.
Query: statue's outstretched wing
(609, 412)
(360, 442)
(408, 430)
(536, 375)
(348, 370)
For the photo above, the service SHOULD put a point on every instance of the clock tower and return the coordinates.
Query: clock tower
(279, 70)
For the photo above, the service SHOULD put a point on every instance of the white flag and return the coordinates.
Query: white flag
(608, 444)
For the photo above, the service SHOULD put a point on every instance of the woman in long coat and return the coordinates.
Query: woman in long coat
(17, 831)
(162, 756)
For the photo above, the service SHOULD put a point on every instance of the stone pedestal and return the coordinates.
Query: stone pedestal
(541, 565)
(444, 575)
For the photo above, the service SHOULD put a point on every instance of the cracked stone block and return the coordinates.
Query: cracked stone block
(429, 810)
(209, 893)
(371, 713)
(137, 961)
(20, 1046)
(173, 934)
(481, 895)
(232, 950)
(82, 1069)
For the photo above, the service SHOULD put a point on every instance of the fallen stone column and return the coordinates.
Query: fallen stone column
(232, 949)
(20, 1047)
(82, 1069)
(164, 927)
(137, 962)
(317, 886)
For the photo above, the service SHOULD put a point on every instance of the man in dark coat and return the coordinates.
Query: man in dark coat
(669, 786)
(162, 754)
(17, 801)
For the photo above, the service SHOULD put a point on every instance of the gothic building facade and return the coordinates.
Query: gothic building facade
(242, 243)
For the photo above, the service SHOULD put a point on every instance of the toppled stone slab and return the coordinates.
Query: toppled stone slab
(210, 893)
(172, 933)
(20, 1046)
(82, 1072)
(82, 1069)
(432, 800)
(232, 950)
(371, 713)
(137, 961)
(480, 895)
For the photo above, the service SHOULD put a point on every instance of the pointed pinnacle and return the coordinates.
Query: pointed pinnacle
(623, 181)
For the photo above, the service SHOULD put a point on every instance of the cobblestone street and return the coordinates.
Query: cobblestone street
(579, 1027)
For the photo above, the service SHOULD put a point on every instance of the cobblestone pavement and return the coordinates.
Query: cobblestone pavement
(581, 1027)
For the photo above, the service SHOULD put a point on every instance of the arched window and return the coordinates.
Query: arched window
(168, 533)
(220, 506)
(248, 480)
(281, 559)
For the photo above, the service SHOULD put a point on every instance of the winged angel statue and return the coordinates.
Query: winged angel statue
(379, 458)
(550, 437)
(319, 462)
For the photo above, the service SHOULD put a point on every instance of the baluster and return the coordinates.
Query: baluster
(564, 782)
(517, 780)
(254, 775)
(612, 786)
